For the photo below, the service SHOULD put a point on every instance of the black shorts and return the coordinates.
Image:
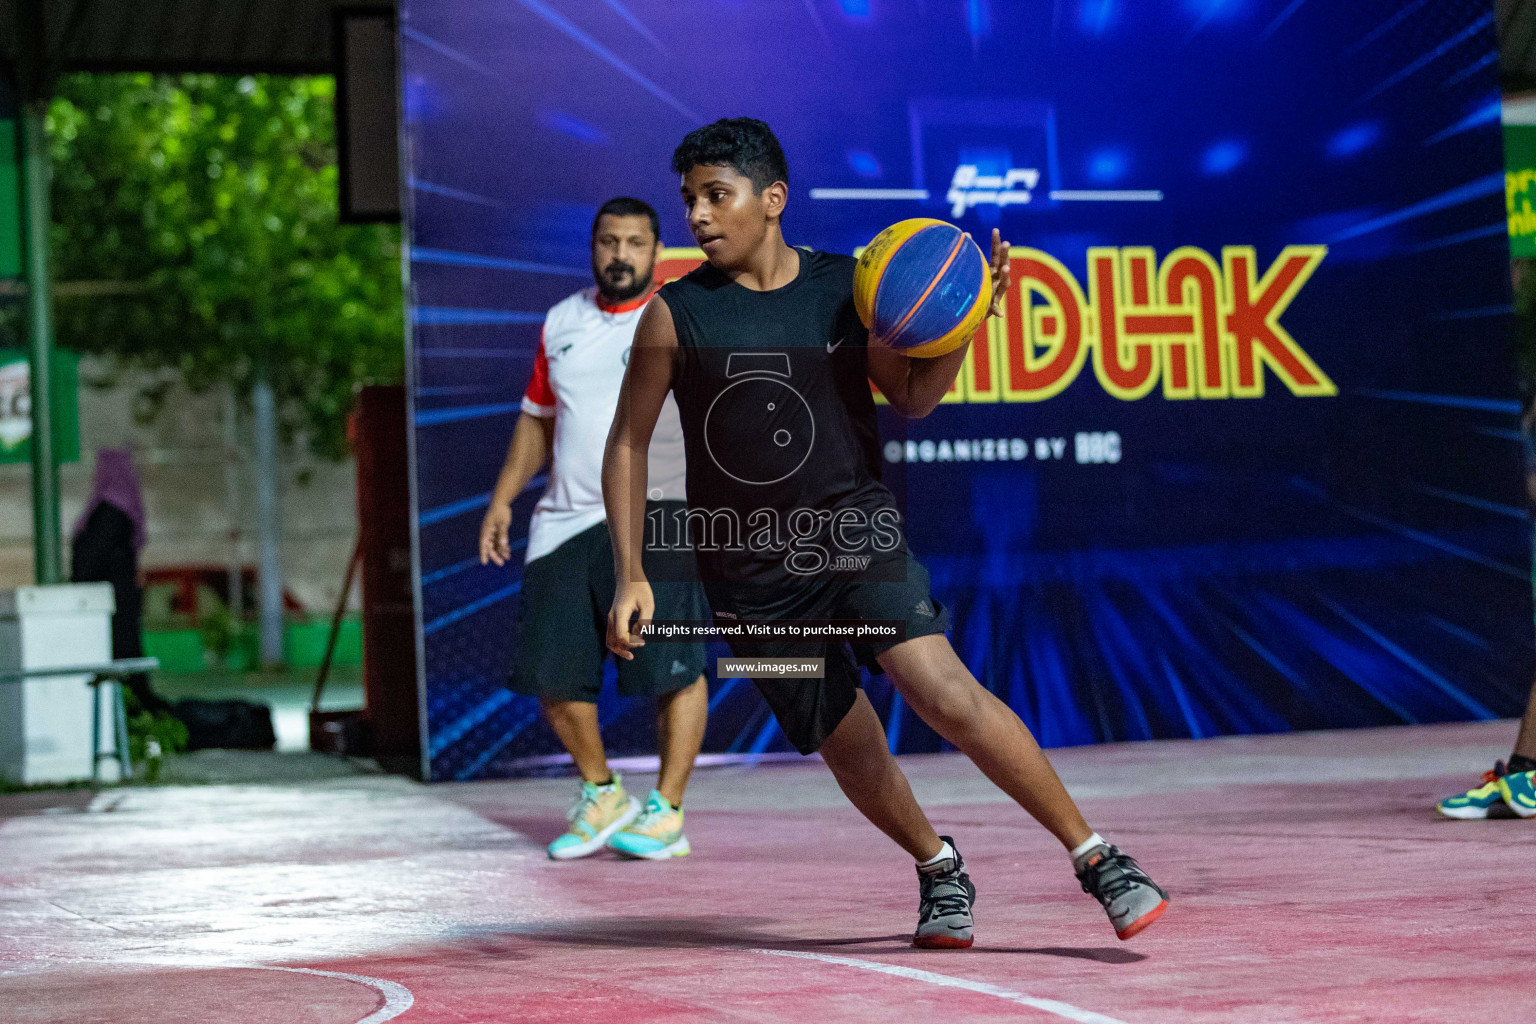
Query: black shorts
(563, 624)
(809, 709)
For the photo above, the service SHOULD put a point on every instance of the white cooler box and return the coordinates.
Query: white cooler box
(45, 724)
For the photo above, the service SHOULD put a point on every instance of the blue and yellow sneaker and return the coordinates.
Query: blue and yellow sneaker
(1485, 801)
(597, 814)
(656, 835)
(1519, 793)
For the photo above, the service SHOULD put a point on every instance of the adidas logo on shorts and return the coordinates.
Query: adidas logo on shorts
(678, 666)
(925, 607)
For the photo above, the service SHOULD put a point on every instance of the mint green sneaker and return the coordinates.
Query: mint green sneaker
(656, 835)
(597, 814)
(1483, 802)
(1519, 793)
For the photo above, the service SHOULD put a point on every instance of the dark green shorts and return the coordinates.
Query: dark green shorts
(563, 623)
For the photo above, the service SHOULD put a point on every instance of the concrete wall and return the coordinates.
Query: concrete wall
(182, 456)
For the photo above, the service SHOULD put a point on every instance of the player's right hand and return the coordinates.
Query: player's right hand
(630, 600)
(494, 545)
(1001, 272)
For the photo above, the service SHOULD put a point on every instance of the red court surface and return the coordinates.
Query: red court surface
(1310, 877)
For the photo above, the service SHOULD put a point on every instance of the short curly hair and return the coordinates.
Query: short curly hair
(744, 143)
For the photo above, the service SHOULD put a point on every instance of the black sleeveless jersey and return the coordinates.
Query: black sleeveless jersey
(778, 423)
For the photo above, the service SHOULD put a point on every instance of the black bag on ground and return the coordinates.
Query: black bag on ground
(235, 724)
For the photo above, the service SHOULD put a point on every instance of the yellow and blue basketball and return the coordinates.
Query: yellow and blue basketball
(922, 287)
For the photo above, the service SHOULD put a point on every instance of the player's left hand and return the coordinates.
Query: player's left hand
(1000, 273)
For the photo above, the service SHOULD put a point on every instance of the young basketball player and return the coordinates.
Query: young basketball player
(567, 579)
(770, 367)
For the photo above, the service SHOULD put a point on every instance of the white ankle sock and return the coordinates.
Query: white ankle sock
(1087, 846)
(947, 851)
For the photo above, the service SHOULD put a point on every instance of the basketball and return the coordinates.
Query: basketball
(922, 287)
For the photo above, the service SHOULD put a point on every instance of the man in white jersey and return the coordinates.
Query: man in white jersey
(568, 580)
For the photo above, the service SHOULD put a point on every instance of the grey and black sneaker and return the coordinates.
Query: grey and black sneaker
(945, 897)
(1131, 899)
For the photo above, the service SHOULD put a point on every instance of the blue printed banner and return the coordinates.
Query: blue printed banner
(1243, 456)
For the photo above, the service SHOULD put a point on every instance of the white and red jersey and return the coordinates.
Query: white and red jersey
(576, 377)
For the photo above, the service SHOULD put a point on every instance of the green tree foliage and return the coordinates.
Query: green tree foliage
(195, 223)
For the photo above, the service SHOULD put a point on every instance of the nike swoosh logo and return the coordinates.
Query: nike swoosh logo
(832, 347)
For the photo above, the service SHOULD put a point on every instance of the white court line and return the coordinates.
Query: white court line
(1066, 1010)
(1088, 195)
(397, 998)
(869, 193)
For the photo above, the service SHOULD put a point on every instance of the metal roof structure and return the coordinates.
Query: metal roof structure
(42, 39)
(294, 36)
(225, 36)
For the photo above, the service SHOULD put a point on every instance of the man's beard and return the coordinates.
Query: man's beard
(615, 294)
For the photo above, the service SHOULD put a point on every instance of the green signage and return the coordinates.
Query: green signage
(16, 406)
(1520, 187)
(10, 202)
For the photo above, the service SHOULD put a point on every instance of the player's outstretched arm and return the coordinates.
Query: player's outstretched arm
(646, 383)
(915, 387)
(532, 442)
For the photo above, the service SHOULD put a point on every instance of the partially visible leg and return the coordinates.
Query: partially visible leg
(938, 686)
(657, 834)
(1525, 739)
(560, 647)
(1490, 799)
(1518, 788)
(861, 761)
(681, 715)
(560, 660)
(680, 719)
(575, 722)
